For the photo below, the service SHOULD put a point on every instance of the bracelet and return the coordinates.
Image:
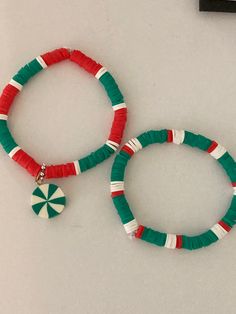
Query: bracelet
(171, 241)
(46, 198)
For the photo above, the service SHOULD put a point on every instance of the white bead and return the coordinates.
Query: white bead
(77, 167)
(131, 226)
(112, 145)
(171, 241)
(178, 136)
(117, 186)
(219, 231)
(100, 73)
(14, 151)
(218, 152)
(16, 84)
(134, 145)
(119, 106)
(3, 117)
(41, 62)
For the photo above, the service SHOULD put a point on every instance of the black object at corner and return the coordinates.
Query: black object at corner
(217, 5)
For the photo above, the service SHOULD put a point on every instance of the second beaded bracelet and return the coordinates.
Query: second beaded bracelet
(171, 241)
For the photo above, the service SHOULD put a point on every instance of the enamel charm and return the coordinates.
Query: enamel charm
(48, 200)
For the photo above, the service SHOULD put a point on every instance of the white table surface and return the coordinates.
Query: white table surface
(176, 68)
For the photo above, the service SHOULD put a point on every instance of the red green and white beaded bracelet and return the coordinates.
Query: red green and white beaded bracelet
(48, 200)
(171, 241)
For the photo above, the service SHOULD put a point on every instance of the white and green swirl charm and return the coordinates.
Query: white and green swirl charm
(48, 200)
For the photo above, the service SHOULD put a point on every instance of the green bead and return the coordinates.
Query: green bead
(196, 140)
(6, 139)
(29, 70)
(118, 168)
(154, 237)
(111, 88)
(123, 209)
(95, 158)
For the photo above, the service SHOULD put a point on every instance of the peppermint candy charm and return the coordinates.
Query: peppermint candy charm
(48, 201)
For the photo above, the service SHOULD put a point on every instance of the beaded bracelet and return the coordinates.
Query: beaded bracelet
(48, 200)
(171, 241)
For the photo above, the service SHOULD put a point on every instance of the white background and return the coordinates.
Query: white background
(176, 68)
